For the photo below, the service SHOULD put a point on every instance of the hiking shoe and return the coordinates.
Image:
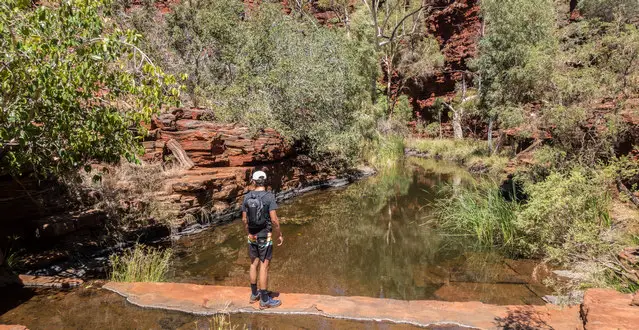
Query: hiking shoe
(254, 298)
(270, 303)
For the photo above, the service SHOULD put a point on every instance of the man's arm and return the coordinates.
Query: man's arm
(276, 227)
(245, 220)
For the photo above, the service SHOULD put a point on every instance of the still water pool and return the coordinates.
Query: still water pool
(373, 238)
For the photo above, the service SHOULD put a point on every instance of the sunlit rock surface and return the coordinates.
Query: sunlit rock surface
(208, 300)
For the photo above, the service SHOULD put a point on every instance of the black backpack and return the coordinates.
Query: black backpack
(255, 211)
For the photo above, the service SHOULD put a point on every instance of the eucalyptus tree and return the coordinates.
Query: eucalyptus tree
(400, 39)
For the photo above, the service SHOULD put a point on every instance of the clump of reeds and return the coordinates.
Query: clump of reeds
(481, 212)
(141, 264)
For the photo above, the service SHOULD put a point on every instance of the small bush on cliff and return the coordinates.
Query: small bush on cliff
(140, 264)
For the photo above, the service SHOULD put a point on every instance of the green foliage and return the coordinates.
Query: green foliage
(263, 68)
(433, 129)
(389, 153)
(140, 264)
(566, 217)
(516, 55)
(403, 110)
(482, 213)
(598, 61)
(397, 31)
(452, 150)
(610, 10)
(419, 58)
(74, 87)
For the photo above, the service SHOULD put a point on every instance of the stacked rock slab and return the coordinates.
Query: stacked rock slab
(224, 156)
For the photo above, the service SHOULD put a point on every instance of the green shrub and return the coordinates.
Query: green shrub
(566, 217)
(140, 264)
(433, 129)
(74, 87)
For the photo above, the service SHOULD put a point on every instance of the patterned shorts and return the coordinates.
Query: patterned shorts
(261, 247)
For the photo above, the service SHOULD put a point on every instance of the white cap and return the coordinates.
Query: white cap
(259, 175)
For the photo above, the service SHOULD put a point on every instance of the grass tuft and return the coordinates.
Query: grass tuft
(141, 264)
(472, 153)
(481, 212)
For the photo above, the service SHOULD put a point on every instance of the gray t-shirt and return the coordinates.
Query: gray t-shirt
(268, 201)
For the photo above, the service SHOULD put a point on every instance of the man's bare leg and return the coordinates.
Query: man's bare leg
(253, 271)
(253, 276)
(264, 275)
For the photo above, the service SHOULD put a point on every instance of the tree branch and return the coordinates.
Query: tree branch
(402, 21)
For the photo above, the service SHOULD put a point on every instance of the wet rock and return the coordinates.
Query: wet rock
(487, 293)
(56, 282)
(609, 309)
(424, 275)
(534, 270)
(63, 224)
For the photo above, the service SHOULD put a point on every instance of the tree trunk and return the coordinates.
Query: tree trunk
(389, 93)
(490, 135)
(457, 128)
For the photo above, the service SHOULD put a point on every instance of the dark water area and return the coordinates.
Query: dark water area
(95, 308)
(373, 238)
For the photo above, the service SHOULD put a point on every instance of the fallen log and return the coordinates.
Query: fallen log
(180, 154)
(622, 188)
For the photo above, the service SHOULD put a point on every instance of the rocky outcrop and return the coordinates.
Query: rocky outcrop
(211, 144)
(609, 309)
(225, 155)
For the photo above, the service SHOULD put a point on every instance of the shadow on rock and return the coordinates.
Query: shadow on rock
(523, 319)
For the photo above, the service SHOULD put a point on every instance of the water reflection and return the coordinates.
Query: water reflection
(372, 238)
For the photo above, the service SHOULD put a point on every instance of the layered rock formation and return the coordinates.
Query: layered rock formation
(225, 155)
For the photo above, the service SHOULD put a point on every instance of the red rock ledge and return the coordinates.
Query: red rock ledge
(208, 300)
(12, 327)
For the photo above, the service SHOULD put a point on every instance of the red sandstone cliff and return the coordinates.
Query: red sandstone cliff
(457, 26)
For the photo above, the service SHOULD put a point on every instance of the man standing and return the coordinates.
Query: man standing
(260, 220)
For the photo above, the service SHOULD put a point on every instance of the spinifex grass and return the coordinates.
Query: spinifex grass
(480, 212)
(141, 264)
